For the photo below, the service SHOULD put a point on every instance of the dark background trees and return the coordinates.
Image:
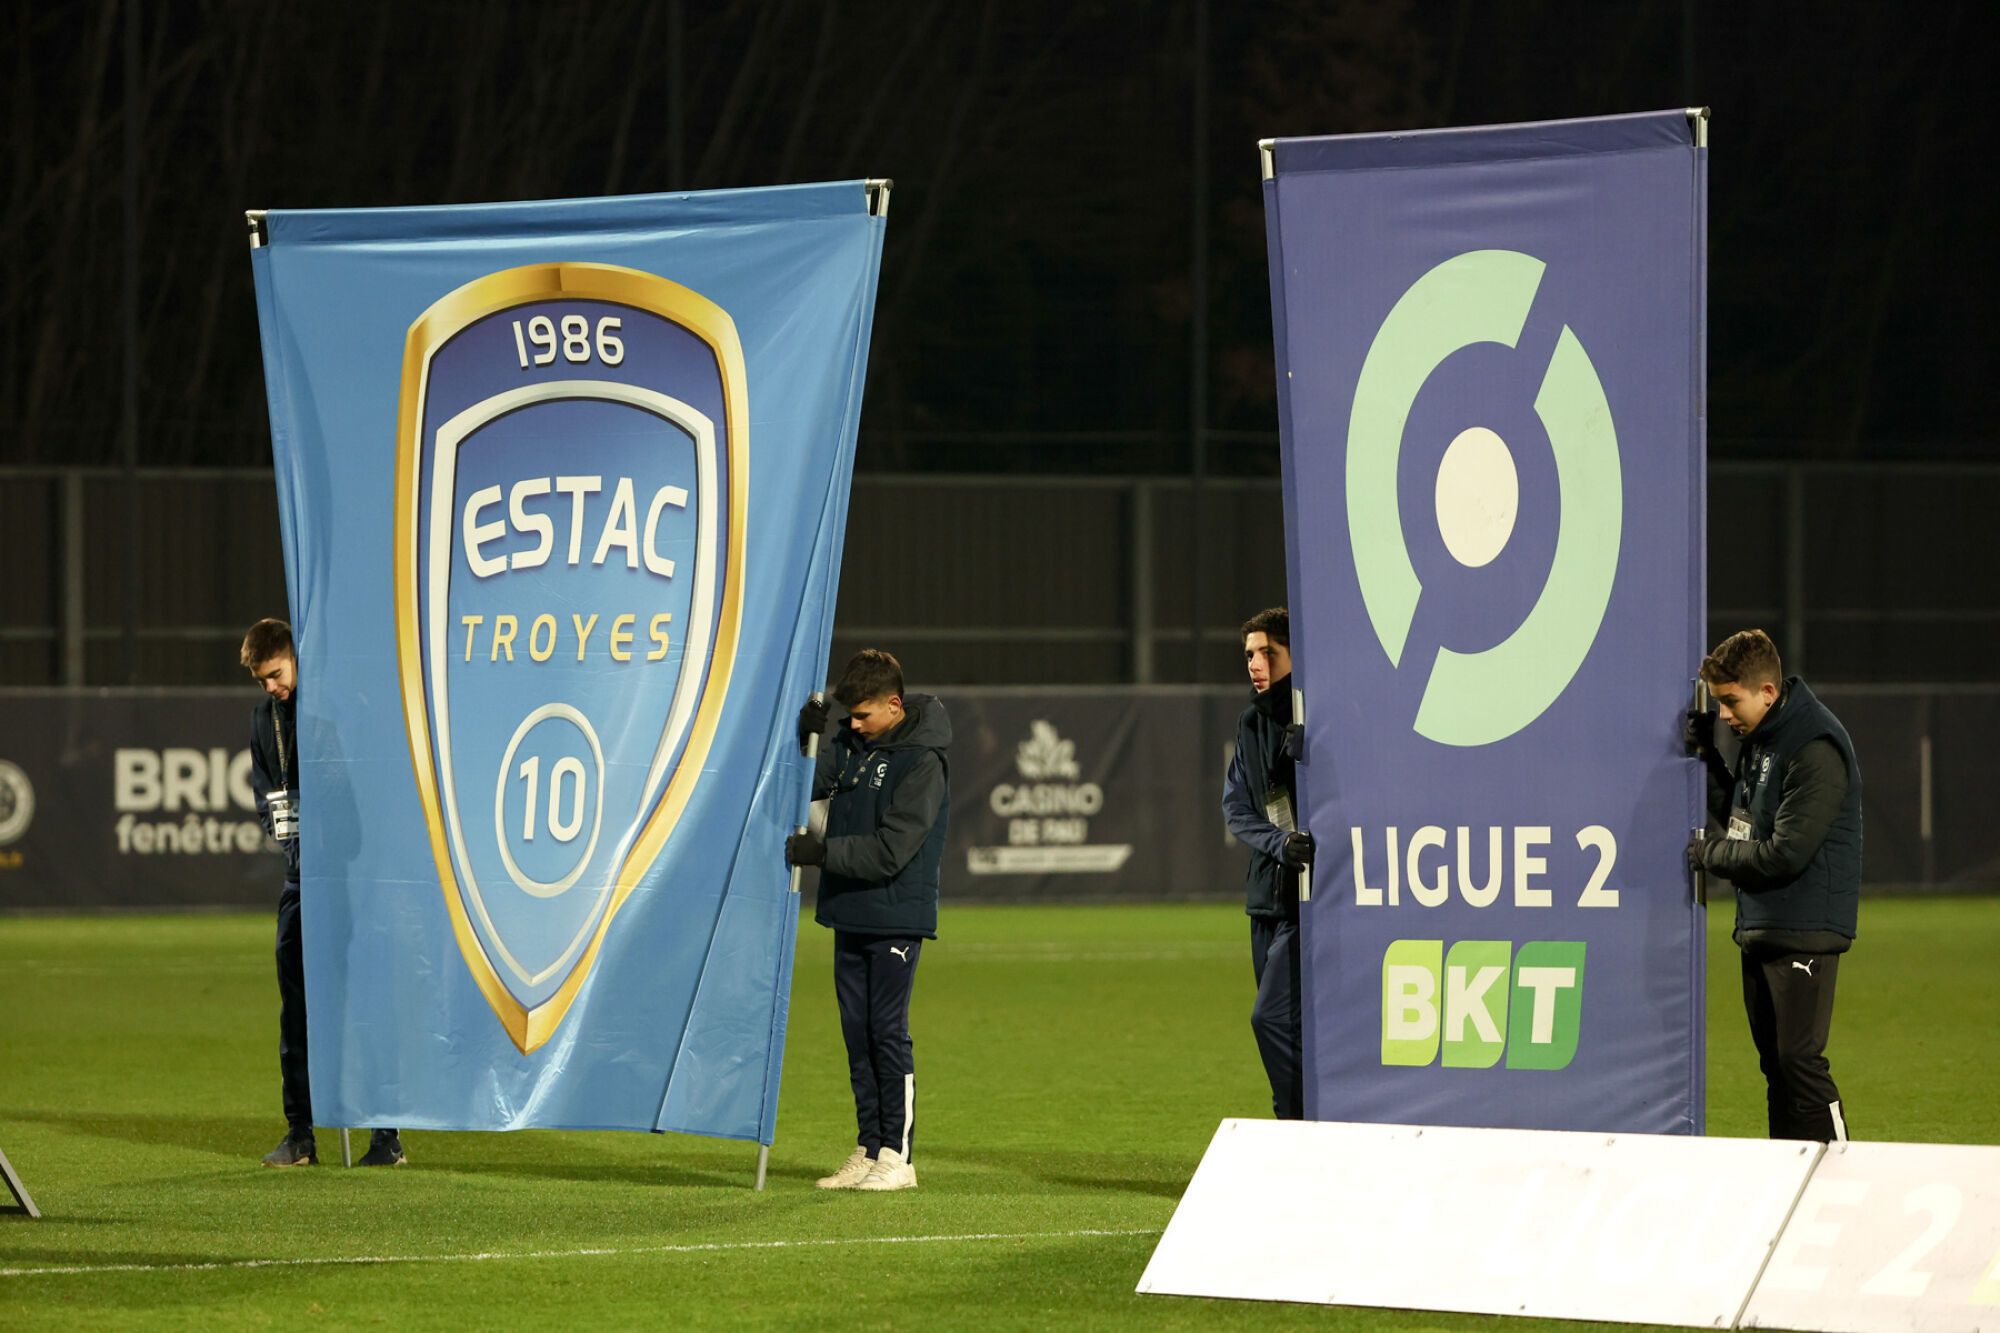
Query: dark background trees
(1041, 286)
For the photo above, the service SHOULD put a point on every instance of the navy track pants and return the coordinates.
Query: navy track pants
(873, 976)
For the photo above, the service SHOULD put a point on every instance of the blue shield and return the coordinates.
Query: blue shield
(569, 571)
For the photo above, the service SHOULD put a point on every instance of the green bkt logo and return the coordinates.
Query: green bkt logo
(1477, 1007)
(1483, 296)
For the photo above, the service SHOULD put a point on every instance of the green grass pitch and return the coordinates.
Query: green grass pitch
(1075, 1061)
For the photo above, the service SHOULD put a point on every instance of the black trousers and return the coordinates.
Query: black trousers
(873, 976)
(292, 1013)
(1789, 998)
(1274, 957)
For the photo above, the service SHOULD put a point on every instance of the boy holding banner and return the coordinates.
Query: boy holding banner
(1792, 848)
(1259, 804)
(268, 655)
(888, 781)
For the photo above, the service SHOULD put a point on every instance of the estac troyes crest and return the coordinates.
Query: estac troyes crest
(570, 475)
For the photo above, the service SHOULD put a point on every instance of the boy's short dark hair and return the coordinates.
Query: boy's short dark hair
(870, 674)
(1747, 657)
(1274, 623)
(267, 639)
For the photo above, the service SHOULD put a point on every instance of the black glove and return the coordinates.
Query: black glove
(1697, 851)
(812, 720)
(1295, 742)
(805, 849)
(1698, 732)
(1297, 851)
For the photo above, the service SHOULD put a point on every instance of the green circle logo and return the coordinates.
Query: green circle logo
(1484, 296)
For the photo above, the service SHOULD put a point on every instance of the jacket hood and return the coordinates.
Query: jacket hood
(925, 726)
(1795, 701)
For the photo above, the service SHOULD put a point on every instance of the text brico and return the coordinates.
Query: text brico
(1480, 1001)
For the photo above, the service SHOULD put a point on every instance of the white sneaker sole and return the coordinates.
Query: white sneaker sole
(847, 1177)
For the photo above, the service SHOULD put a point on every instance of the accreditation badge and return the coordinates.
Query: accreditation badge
(1278, 809)
(570, 498)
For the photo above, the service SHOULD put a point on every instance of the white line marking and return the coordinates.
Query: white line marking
(1152, 956)
(591, 1253)
(189, 968)
(1059, 946)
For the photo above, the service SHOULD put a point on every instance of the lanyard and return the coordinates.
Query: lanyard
(278, 730)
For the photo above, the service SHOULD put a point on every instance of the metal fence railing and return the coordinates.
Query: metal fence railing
(1865, 573)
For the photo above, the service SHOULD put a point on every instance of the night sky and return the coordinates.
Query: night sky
(1039, 286)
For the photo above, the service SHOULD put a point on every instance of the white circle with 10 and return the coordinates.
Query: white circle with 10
(551, 803)
(17, 802)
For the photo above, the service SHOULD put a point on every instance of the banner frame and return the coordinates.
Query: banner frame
(18, 1187)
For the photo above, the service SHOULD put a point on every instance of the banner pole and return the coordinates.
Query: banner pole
(798, 872)
(1701, 703)
(1298, 813)
(812, 758)
(346, 1149)
(17, 1187)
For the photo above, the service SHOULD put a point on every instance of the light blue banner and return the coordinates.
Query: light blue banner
(563, 489)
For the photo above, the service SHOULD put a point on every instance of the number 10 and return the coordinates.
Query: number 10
(564, 830)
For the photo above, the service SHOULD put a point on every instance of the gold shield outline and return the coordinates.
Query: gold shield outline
(450, 315)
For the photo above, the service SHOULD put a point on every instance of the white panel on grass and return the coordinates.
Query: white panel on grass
(1637, 1227)
(1889, 1236)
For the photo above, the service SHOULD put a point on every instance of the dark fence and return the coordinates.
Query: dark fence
(141, 798)
(1869, 574)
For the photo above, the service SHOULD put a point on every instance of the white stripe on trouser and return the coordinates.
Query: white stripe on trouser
(1839, 1125)
(910, 1110)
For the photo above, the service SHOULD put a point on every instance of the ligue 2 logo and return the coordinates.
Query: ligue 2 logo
(1483, 296)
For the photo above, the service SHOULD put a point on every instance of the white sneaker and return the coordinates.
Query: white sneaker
(851, 1173)
(889, 1172)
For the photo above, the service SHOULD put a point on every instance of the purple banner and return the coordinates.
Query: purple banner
(1490, 361)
